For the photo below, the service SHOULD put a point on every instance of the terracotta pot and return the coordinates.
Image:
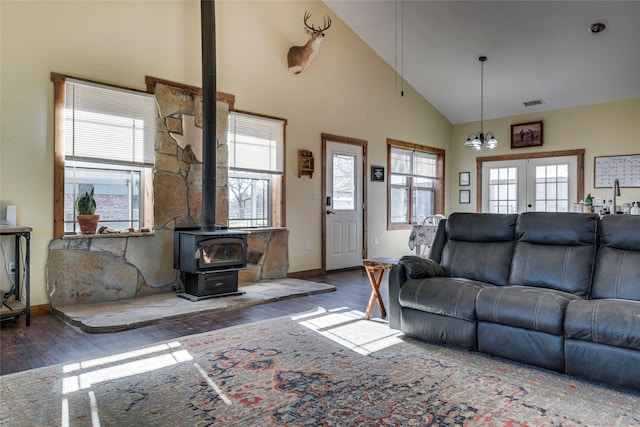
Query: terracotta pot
(88, 223)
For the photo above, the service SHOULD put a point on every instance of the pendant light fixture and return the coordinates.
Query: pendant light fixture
(481, 140)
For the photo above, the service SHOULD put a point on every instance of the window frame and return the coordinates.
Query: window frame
(145, 175)
(277, 196)
(252, 177)
(438, 182)
(59, 83)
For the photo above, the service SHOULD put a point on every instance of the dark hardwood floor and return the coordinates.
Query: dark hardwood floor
(49, 340)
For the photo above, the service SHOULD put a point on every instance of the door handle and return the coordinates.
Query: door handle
(330, 212)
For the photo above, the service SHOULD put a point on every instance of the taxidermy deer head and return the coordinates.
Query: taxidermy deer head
(299, 57)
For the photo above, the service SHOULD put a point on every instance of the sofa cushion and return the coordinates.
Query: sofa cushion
(612, 322)
(617, 267)
(555, 251)
(418, 268)
(479, 246)
(524, 307)
(557, 228)
(620, 231)
(442, 295)
(475, 227)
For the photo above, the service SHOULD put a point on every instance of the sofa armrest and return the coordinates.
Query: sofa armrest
(409, 267)
(397, 276)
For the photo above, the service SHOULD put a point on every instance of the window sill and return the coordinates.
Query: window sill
(259, 230)
(391, 227)
(106, 235)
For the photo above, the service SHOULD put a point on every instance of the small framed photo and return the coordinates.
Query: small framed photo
(464, 179)
(377, 173)
(465, 197)
(526, 135)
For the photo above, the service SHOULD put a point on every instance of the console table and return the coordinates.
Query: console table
(20, 304)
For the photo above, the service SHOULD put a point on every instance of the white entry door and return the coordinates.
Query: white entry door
(546, 184)
(343, 205)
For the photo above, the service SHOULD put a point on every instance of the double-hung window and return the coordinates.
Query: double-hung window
(109, 147)
(256, 169)
(415, 183)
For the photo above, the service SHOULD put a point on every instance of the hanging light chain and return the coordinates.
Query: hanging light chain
(482, 93)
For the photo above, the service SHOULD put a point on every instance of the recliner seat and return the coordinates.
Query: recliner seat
(551, 266)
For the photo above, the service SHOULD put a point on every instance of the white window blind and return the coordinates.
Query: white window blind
(256, 144)
(413, 163)
(108, 124)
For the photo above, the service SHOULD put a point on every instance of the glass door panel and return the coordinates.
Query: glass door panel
(344, 182)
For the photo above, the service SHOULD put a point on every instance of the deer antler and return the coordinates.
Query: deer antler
(312, 29)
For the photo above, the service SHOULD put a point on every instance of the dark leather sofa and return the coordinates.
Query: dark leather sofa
(556, 290)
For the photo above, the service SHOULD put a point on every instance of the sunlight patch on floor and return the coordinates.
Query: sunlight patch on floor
(83, 375)
(349, 329)
(85, 364)
(84, 380)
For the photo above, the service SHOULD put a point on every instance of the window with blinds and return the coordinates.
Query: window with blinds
(413, 184)
(256, 144)
(256, 167)
(109, 147)
(108, 125)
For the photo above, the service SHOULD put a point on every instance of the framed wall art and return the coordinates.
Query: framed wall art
(377, 173)
(464, 179)
(465, 197)
(526, 135)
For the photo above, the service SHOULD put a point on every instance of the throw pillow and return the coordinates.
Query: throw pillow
(419, 268)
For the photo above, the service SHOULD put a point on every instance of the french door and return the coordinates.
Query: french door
(543, 184)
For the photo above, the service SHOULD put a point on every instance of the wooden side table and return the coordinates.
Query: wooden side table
(375, 268)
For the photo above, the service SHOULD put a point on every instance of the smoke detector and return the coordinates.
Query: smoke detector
(596, 28)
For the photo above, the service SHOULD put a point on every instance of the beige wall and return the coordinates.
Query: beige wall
(347, 91)
(602, 129)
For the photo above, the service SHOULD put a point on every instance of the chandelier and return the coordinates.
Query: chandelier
(480, 139)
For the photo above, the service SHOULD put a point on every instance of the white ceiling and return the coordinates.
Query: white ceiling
(535, 50)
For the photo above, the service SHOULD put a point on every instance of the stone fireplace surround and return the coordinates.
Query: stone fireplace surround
(111, 267)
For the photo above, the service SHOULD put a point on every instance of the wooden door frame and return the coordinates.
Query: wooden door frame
(351, 141)
(578, 153)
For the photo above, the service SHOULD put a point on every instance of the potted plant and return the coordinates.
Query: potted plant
(85, 210)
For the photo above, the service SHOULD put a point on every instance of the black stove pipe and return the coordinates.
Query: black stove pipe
(209, 113)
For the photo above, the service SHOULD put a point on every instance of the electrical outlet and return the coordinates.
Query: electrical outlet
(308, 246)
(376, 240)
(12, 267)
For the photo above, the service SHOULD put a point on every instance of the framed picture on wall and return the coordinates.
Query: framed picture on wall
(526, 135)
(377, 173)
(464, 179)
(465, 197)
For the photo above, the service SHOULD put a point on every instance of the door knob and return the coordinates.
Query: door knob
(330, 212)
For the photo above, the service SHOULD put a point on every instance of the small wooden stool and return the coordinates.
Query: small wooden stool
(375, 268)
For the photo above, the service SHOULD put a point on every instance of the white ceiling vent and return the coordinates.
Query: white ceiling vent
(534, 102)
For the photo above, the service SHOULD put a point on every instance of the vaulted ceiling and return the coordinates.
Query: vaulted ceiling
(536, 50)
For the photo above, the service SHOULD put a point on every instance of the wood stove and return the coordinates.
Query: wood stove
(210, 260)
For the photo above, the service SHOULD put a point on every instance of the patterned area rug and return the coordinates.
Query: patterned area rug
(318, 368)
